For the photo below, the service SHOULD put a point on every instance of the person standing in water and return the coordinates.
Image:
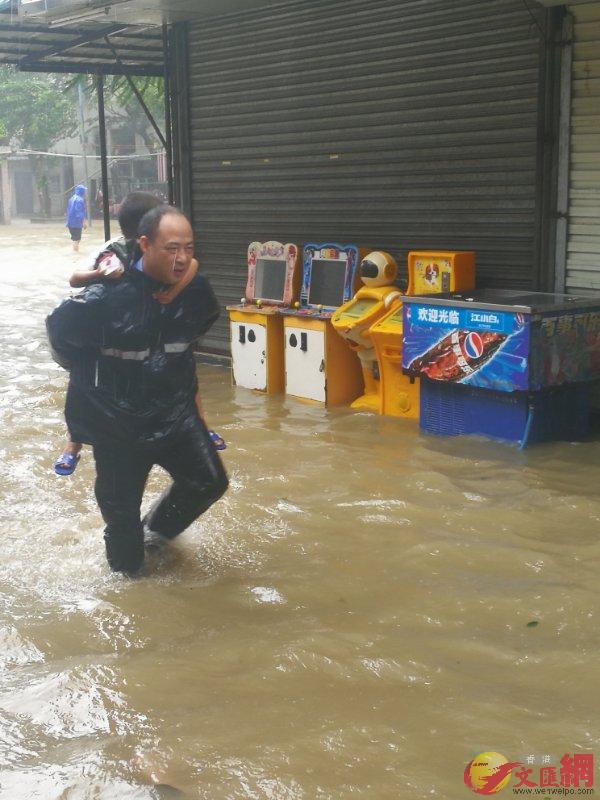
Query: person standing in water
(77, 215)
(133, 385)
(109, 264)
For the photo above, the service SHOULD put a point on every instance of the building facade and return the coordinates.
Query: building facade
(582, 259)
(400, 126)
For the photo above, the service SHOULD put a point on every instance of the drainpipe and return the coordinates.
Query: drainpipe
(564, 146)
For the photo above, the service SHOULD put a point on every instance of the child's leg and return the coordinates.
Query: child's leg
(66, 463)
(199, 406)
(217, 439)
(72, 447)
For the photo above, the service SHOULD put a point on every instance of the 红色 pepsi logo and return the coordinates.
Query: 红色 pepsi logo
(473, 345)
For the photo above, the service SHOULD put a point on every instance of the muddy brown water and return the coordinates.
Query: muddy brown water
(350, 621)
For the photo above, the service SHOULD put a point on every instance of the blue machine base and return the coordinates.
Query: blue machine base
(452, 409)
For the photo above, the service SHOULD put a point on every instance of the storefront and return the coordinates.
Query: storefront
(388, 125)
(398, 125)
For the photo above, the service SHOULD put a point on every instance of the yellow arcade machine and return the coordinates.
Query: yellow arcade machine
(318, 365)
(429, 272)
(354, 319)
(256, 325)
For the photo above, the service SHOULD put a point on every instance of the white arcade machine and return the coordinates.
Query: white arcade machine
(318, 365)
(256, 326)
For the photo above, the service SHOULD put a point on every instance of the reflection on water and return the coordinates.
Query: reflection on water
(352, 619)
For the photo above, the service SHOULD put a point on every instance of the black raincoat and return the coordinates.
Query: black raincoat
(131, 395)
(132, 369)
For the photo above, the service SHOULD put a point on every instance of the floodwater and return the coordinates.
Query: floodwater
(365, 611)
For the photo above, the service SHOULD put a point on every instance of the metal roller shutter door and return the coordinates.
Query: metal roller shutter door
(583, 248)
(394, 125)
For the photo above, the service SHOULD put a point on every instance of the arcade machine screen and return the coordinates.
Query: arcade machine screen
(328, 278)
(270, 279)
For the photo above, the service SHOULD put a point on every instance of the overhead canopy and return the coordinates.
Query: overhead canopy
(36, 45)
(69, 35)
(104, 37)
(565, 2)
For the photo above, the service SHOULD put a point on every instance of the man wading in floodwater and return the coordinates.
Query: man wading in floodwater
(132, 389)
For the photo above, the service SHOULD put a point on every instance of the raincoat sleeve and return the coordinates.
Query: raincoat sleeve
(76, 325)
(69, 209)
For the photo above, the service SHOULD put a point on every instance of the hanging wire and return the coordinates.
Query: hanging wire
(535, 20)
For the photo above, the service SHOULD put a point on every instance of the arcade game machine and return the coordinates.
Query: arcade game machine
(256, 326)
(505, 364)
(429, 272)
(318, 365)
(354, 319)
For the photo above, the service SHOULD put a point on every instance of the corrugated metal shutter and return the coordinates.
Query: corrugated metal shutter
(394, 125)
(583, 249)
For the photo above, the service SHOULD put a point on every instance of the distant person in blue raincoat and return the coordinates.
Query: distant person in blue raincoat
(77, 215)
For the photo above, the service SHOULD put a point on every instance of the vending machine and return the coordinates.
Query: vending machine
(318, 365)
(429, 272)
(257, 351)
(505, 364)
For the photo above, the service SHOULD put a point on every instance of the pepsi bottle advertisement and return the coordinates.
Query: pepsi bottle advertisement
(476, 347)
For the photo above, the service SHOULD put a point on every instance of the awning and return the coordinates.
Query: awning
(39, 46)
(69, 35)
(565, 2)
(103, 37)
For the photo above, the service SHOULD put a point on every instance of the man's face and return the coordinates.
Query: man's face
(168, 256)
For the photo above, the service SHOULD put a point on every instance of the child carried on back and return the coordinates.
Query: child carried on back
(109, 264)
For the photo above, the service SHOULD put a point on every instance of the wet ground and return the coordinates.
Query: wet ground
(366, 610)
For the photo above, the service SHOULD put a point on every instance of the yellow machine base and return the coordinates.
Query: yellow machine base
(367, 402)
(400, 397)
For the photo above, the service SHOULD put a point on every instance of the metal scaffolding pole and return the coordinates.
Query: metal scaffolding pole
(103, 154)
(168, 131)
(84, 150)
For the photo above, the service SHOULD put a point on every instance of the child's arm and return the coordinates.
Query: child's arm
(168, 295)
(109, 266)
(81, 277)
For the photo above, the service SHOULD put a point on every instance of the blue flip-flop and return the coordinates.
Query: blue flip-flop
(66, 464)
(217, 440)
